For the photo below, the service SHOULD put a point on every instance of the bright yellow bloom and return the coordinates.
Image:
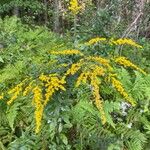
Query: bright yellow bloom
(98, 102)
(82, 78)
(123, 41)
(74, 7)
(94, 69)
(126, 63)
(15, 91)
(53, 84)
(74, 68)
(101, 61)
(94, 82)
(37, 101)
(119, 87)
(28, 88)
(44, 78)
(98, 71)
(67, 52)
(95, 40)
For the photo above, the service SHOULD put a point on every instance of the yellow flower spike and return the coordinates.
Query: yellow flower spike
(38, 116)
(95, 40)
(74, 7)
(101, 60)
(126, 41)
(28, 88)
(79, 80)
(95, 69)
(15, 91)
(86, 75)
(53, 84)
(73, 69)
(98, 102)
(119, 87)
(126, 63)
(37, 101)
(98, 71)
(67, 52)
(43, 78)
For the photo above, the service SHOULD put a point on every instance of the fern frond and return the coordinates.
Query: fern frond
(133, 139)
(12, 113)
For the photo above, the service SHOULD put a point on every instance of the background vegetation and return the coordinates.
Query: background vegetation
(31, 32)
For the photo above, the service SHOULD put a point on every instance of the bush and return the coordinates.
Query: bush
(59, 96)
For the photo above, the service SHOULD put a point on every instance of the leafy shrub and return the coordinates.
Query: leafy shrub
(41, 94)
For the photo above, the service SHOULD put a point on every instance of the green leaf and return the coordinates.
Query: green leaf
(64, 139)
(1, 59)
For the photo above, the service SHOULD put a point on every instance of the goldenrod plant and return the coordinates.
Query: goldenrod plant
(57, 96)
(74, 7)
(92, 70)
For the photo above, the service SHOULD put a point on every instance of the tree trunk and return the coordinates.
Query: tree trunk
(45, 13)
(56, 16)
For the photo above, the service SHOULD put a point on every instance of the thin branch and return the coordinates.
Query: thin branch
(129, 29)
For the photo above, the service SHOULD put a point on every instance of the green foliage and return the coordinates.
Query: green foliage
(70, 119)
(12, 114)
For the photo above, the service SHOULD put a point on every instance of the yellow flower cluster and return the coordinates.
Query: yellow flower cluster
(73, 69)
(94, 69)
(28, 88)
(74, 7)
(2, 96)
(101, 61)
(92, 75)
(98, 102)
(123, 41)
(67, 52)
(95, 40)
(37, 101)
(126, 63)
(52, 84)
(15, 91)
(119, 87)
(82, 78)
